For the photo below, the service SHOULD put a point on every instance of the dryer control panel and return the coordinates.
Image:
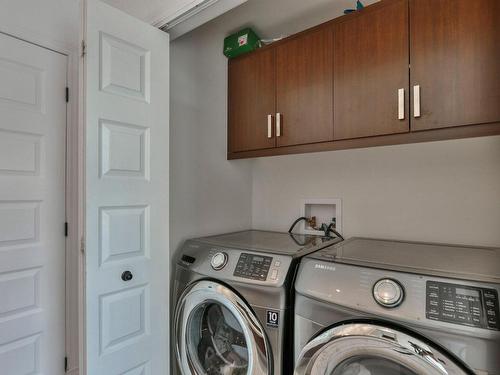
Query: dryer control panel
(251, 266)
(460, 304)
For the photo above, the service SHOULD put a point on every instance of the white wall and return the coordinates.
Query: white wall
(42, 20)
(442, 191)
(208, 194)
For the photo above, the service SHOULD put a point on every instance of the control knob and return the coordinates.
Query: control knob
(388, 293)
(219, 261)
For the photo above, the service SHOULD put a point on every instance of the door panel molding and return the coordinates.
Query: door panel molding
(126, 119)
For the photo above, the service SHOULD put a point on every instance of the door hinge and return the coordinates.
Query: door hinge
(66, 367)
(66, 229)
(84, 48)
(82, 246)
(67, 94)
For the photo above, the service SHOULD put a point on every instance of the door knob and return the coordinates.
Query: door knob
(127, 276)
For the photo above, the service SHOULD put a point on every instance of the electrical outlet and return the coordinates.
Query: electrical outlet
(321, 210)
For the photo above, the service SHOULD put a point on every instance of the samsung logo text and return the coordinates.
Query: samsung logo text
(324, 267)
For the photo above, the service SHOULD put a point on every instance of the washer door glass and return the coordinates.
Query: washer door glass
(217, 333)
(372, 349)
(370, 366)
(216, 340)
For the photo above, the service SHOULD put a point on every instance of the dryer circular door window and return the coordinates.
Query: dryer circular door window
(371, 349)
(217, 333)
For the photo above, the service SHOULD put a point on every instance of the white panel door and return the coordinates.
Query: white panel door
(127, 166)
(32, 208)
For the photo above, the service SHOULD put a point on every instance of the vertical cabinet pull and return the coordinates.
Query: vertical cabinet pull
(416, 101)
(401, 104)
(278, 124)
(269, 126)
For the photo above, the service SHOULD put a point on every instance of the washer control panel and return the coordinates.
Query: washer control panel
(251, 266)
(460, 304)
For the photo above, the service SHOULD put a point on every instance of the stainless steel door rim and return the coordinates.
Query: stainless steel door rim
(346, 342)
(203, 293)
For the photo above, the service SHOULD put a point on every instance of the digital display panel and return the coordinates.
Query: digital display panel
(467, 292)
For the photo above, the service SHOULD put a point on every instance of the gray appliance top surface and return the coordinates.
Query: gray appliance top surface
(294, 245)
(453, 261)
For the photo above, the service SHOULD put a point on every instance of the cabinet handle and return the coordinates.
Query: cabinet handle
(401, 104)
(278, 124)
(416, 101)
(269, 126)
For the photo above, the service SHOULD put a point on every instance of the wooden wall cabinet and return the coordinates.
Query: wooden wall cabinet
(251, 101)
(284, 96)
(455, 62)
(371, 72)
(399, 71)
(304, 92)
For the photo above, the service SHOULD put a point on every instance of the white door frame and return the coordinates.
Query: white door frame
(74, 186)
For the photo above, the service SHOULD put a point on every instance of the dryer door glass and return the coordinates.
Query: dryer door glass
(216, 341)
(371, 349)
(217, 333)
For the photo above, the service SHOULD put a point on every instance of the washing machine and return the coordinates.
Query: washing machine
(372, 307)
(234, 302)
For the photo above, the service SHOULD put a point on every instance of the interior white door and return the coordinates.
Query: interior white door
(127, 168)
(32, 208)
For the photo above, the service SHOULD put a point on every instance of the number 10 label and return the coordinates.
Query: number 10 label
(273, 318)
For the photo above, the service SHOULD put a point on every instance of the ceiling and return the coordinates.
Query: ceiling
(147, 10)
(270, 17)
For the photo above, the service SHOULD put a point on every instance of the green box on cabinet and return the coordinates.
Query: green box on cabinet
(243, 41)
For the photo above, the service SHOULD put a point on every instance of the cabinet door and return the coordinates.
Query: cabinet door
(251, 100)
(304, 92)
(455, 60)
(370, 67)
